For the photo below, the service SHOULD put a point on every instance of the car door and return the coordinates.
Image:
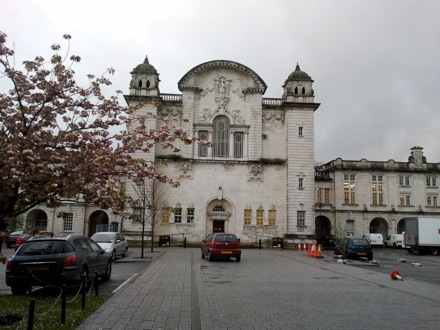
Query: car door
(119, 241)
(98, 258)
(205, 244)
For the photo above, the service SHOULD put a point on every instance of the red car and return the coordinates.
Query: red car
(21, 239)
(221, 246)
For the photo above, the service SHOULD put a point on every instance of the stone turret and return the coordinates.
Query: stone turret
(144, 80)
(298, 87)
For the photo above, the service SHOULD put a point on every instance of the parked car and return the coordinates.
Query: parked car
(356, 247)
(112, 242)
(46, 261)
(376, 240)
(21, 239)
(13, 237)
(327, 242)
(221, 246)
(395, 241)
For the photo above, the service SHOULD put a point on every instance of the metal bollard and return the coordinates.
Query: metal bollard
(63, 304)
(259, 244)
(31, 314)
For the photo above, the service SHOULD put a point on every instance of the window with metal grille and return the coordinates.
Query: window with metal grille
(178, 215)
(247, 217)
(189, 215)
(272, 217)
(238, 144)
(300, 218)
(219, 208)
(68, 221)
(260, 217)
(166, 215)
(203, 150)
(349, 227)
(221, 137)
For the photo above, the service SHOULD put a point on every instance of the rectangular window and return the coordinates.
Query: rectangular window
(68, 222)
(272, 217)
(178, 215)
(377, 189)
(260, 216)
(300, 218)
(247, 217)
(431, 200)
(166, 215)
(203, 150)
(300, 183)
(300, 131)
(431, 181)
(327, 195)
(349, 227)
(137, 214)
(238, 144)
(403, 180)
(190, 215)
(404, 200)
(349, 189)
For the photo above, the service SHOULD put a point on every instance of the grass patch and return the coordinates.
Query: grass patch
(14, 310)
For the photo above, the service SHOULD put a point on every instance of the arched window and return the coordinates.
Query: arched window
(140, 83)
(148, 84)
(296, 90)
(219, 208)
(221, 137)
(303, 90)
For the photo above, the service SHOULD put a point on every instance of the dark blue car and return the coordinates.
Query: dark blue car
(44, 261)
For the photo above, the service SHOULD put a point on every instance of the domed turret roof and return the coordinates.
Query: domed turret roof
(145, 67)
(299, 75)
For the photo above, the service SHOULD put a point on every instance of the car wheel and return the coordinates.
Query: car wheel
(210, 256)
(434, 251)
(108, 271)
(125, 252)
(19, 290)
(394, 245)
(114, 255)
(237, 259)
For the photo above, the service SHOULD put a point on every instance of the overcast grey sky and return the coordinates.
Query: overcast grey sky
(375, 63)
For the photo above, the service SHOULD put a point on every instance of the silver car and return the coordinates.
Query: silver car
(112, 242)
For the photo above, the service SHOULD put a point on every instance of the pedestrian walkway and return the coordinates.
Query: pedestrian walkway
(268, 289)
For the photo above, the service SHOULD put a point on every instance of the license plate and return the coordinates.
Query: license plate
(37, 268)
(226, 252)
(362, 253)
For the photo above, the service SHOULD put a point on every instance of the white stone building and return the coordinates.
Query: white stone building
(258, 180)
(360, 197)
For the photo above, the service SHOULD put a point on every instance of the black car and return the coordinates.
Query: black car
(50, 261)
(327, 242)
(13, 237)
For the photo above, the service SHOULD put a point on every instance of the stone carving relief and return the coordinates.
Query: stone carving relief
(237, 117)
(185, 170)
(273, 115)
(170, 113)
(239, 93)
(256, 172)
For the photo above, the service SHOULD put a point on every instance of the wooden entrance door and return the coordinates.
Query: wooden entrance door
(218, 226)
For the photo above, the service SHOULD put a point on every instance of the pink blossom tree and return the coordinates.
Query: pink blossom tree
(56, 141)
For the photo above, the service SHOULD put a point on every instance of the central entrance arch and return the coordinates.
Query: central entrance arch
(218, 216)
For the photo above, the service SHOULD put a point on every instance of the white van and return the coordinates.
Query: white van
(376, 240)
(395, 241)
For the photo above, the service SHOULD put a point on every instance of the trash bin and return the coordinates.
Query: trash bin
(277, 242)
(164, 240)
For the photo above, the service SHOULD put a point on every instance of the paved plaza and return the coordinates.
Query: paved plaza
(268, 289)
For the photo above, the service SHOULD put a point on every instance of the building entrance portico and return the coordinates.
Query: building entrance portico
(218, 216)
(218, 226)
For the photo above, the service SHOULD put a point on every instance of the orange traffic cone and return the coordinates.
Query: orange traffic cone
(304, 247)
(396, 276)
(318, 253)
(312, 250)
(299, 246)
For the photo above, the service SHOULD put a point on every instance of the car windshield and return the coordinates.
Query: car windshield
(44, 248)
(360, 242)
(226, 238)
(103, 238)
